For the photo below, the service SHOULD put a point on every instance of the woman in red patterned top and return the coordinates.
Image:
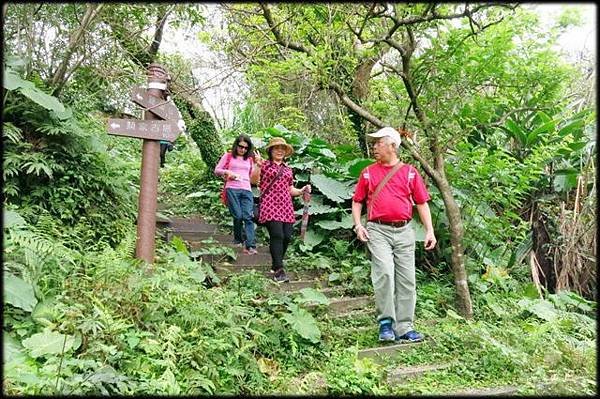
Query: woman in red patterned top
(276, 207)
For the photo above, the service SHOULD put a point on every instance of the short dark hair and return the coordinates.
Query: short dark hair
(242, 138)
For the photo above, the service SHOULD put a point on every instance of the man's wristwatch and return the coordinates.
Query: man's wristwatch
(356, 226)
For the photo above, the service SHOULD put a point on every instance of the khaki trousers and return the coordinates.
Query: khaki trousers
(393, 273)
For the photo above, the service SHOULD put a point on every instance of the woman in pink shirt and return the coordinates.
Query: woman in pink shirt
(238, 169)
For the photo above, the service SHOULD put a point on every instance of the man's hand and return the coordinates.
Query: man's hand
(430, 240)
(361, 233)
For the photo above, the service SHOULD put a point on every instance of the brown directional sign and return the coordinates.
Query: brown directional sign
(159, 107)
(147, 129)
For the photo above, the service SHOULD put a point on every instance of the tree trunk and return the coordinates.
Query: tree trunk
(541, 247)
(358, 124)
(360, 91)
(463, 296)
(58, 78)
(202, 130)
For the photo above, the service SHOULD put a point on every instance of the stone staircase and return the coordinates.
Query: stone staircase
(200, 235)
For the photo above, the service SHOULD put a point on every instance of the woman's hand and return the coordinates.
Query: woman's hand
(258, 159)
(231, 176)
(306, 189)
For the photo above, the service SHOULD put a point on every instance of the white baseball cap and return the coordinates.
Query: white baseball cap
(389, 132)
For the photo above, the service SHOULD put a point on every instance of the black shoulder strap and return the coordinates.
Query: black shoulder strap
(273, 181)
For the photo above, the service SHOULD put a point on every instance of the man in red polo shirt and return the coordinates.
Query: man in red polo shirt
(389, 235)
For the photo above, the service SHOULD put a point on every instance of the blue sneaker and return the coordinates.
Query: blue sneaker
(386, 333)
(411, 336)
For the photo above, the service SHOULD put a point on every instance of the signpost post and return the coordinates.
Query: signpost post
(161, 122)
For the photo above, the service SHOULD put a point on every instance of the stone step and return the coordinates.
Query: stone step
(382, 353)
(488, 391)
(178, 224)
(200, 235)
(162, 220)
(401, 374)
(329, 292)
(240, 260)
(347, 304)
(196, 245)
(223, 270)
(362, 312)
(293, 286)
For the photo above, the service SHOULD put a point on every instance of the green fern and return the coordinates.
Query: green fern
(11, 165)
(31, 249)
(11, 132)
(126, 247)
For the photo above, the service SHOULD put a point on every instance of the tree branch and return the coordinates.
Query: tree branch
(158, 33)
(285, 42)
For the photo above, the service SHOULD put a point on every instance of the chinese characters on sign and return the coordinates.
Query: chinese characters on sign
(149, 130)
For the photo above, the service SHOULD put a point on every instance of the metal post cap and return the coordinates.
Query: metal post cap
(157, 72)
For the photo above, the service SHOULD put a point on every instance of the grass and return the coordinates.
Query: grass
(519, 349)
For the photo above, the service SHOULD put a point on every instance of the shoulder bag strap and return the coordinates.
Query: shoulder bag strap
(273, 181)
(228, 161)
(380, 186)
(226, 167)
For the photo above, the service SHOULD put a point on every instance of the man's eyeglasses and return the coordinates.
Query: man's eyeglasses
(245, 147)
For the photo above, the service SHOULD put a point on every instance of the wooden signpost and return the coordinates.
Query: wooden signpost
(149, 130)
(161, 108)
(161, 122)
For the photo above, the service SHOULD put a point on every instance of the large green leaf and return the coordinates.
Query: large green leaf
(532, 137)
(313, 296)
(18, 292)
(332, 189)
(346, 223)
(303, 323)
(12, 219)
(44, 313)
(43, 99)
(198, 274)
(540, 307)
(13, 81)
(564, 182)
(311, 239)
(318, 209)
(327, 152)
(18, 367)
(13, 351)
(568, 128)
(48, 343)
(357, 165)
(516, 131)
(179, 245)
